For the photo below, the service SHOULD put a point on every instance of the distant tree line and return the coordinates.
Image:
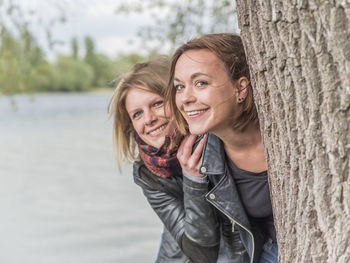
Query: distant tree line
(24, 67)
(72, 73)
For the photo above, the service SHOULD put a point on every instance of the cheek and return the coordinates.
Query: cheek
(178, 101)
(221, 97)
(162, 113)
(172, 127)
(137, 126)
(167, 112)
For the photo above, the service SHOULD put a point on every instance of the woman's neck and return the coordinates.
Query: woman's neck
(244, 148)
(240, 140)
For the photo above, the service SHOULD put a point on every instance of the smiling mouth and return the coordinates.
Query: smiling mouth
(195, 113)
(158, 130)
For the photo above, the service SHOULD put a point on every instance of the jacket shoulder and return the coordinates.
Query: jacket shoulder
(145, 178)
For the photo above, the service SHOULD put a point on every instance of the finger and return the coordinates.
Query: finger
(197, 153)
(188, 145)
(195, 159)
(201, 156)
(180, 151)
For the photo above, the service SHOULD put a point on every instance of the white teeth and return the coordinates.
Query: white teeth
(158, 130)
(191, 113)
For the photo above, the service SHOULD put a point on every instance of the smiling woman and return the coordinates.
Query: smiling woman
(142, 122)
(148, 116)
(204, 108)
(209, 92)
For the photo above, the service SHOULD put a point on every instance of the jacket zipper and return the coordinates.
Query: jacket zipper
(233, 223)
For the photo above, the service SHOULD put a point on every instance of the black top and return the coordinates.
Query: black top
(254, 192)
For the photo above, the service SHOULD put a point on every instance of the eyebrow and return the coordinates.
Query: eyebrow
(132, 111)
(193, 76)
(154, 100)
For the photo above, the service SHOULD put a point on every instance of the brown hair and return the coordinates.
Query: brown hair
(153, 75)
(230, 50)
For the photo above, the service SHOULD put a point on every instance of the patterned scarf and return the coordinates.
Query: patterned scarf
(161, 161)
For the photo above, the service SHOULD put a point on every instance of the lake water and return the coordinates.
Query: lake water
(62, 199)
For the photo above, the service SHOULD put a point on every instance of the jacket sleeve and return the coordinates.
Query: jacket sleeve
(201, 222)
(190, 219)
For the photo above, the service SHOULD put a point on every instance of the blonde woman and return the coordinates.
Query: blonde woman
(145, 135)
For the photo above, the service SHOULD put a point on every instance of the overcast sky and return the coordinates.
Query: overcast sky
(95, 18)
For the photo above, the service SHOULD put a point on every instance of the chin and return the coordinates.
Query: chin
(197, 130)
(157, 143)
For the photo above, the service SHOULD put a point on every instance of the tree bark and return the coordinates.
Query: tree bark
(299, 57)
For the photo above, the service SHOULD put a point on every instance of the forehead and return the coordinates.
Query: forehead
(139, 96)
(202, 58)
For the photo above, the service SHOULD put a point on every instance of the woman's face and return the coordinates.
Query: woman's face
(205, 95)
(149, 117)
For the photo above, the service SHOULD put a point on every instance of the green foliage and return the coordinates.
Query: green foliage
(89, 50)
(71, 75)
(41, 78)
(101, 64)
(104, 70)
(23, 67)
(178, 21)
(21, 58)
(75, 47)
(124, 63)
(121, 65)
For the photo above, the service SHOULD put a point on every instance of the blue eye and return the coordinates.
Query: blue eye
(201, 83)
(178, 87)
(158, 103)
(136, 114)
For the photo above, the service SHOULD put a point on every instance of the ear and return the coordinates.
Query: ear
(242, 89)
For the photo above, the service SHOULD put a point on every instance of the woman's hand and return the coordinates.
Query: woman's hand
(191, 161)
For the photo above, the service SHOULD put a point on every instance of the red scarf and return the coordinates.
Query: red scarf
(161, 161)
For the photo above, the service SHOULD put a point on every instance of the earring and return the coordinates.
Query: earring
(240, 100)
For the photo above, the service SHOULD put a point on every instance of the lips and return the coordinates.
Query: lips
(195, 113)
(157, 130)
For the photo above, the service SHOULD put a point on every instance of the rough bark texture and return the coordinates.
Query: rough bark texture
(299, 57)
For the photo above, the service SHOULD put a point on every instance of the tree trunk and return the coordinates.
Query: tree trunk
(299, 57)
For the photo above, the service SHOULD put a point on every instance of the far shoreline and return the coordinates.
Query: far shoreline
(101, 91)
(97, 91)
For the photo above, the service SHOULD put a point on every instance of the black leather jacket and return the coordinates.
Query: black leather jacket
(225, 198)
(181, 205)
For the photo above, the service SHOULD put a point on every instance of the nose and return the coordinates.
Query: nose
(150, 117)
(187, 95)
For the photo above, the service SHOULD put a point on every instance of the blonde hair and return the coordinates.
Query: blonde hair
(153, 75)
(230, 50)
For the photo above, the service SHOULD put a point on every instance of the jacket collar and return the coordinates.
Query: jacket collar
(213, 161)
(225, 191)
